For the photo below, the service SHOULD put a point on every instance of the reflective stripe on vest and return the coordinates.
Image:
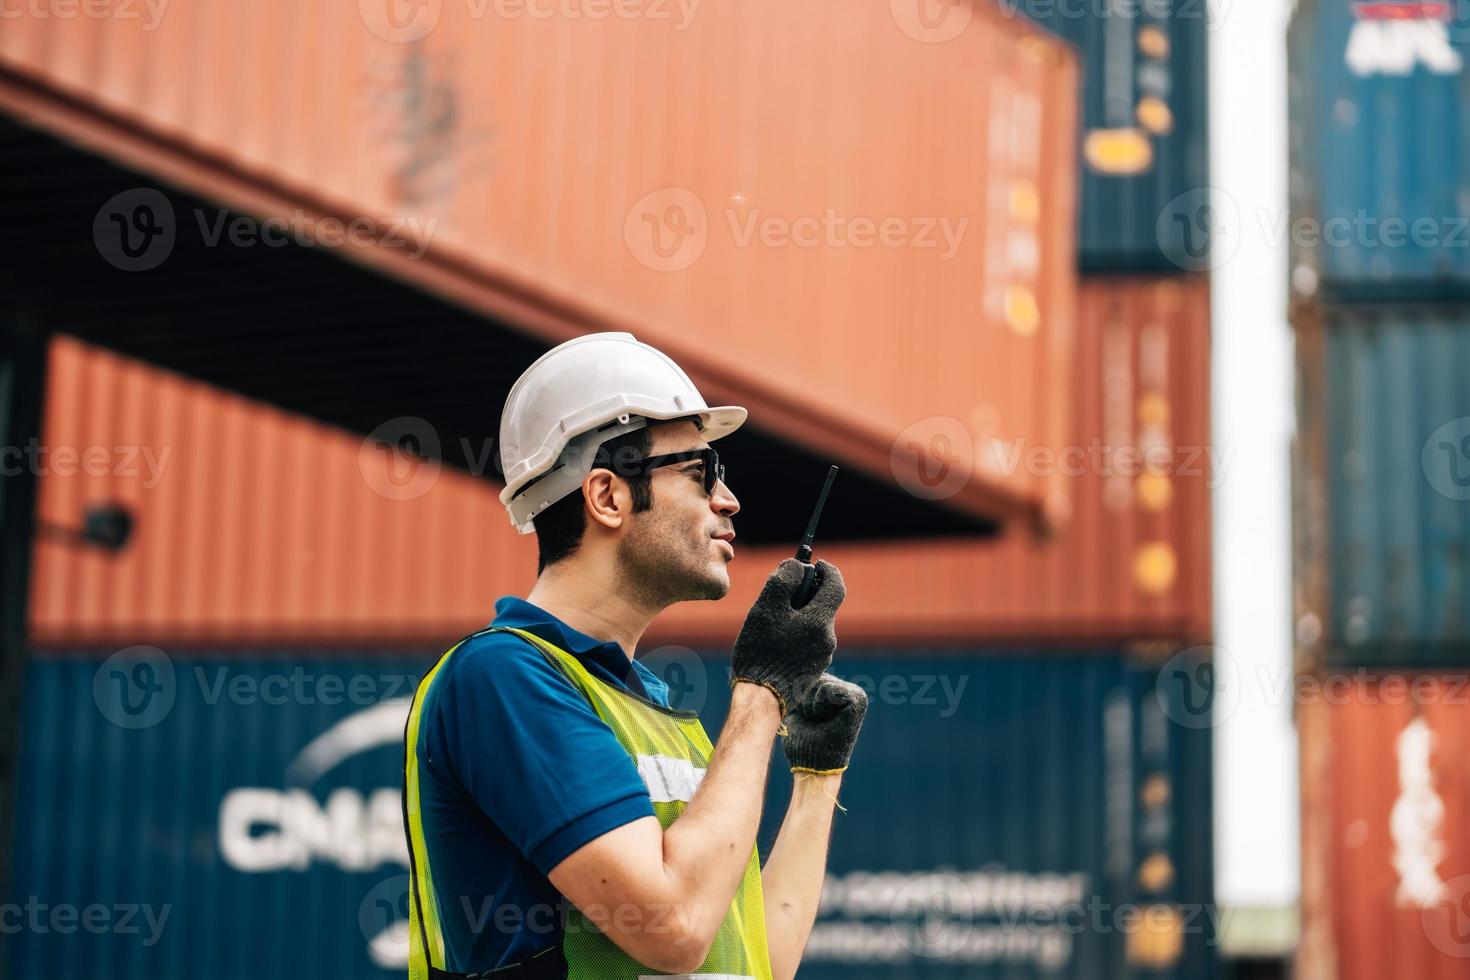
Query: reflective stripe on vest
(671, 752)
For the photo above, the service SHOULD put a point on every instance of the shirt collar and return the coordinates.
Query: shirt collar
(514, 611)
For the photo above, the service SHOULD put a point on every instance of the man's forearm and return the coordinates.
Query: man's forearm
(707, 849)
(792, 877)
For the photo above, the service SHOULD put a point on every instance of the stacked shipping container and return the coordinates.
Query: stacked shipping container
(1380, 268)
(767, 208)
(238, 545)
(1059, 776)
(1143, 148)
(254, 526)
(1380, 158)
(1384, 415)
(1021, 814)
(1385, 807)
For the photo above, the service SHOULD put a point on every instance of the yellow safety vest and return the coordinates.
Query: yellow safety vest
(672, 752)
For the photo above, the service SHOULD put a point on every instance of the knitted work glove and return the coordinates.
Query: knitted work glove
(824, 727)
(787, 649)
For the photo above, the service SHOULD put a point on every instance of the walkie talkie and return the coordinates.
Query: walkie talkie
(808, 586)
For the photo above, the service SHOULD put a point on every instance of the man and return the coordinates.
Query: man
(563, 820)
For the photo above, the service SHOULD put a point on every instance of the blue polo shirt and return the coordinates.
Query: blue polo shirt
(517, 771)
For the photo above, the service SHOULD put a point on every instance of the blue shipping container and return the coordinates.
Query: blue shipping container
(1397, 454)
(1380, 150)
(1145, 129)
(1007, 816)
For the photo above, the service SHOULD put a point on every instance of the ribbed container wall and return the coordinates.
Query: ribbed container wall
(251, 525)
(255, 526)
(1383, 473)
(1380, 150)
(1385, 812)
(1009, 813)
(1144, 147)
(820, 201)
(997, 788)
(1133, 561)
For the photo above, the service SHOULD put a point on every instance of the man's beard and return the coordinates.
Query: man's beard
(659, 568)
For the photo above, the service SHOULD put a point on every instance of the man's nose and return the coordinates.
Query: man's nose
(722, 501)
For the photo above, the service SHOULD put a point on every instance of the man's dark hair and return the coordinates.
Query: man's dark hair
(559, 528)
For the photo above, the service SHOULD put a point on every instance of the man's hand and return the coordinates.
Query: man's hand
(783, 649)
(824, 726)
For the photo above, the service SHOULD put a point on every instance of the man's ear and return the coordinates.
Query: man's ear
(605, 498)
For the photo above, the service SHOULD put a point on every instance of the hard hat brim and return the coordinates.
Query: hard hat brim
(721, 421)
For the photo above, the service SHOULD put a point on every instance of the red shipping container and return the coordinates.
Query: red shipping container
(1385, 815)
(813, 209)
(255, 526)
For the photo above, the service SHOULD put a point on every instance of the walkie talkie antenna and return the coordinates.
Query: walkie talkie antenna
(804, 550)
(808, 583)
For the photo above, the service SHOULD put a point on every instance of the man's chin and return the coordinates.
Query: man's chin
(719, 584)
(713, 584)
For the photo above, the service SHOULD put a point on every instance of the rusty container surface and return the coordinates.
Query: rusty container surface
(1385, 812)
(857, 209)
(256, 526)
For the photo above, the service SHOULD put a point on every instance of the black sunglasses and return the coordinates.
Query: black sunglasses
(713, 468)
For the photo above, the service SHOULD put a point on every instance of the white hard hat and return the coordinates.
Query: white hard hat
(579, 395)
